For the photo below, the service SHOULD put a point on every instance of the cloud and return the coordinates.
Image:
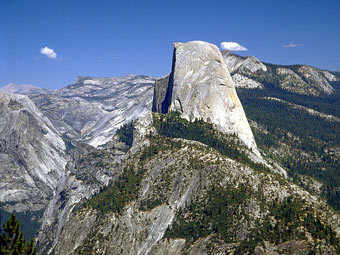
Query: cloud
(232, 46)
(50, 53)
(292, 45)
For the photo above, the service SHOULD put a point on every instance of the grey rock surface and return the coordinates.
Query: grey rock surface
(91, 109)
(32, 155)
(24, 89)
(318, 80)
(248, 72)
(236, 63)
(159, 94)
(242, 81)
(88, 170)
(200, 87)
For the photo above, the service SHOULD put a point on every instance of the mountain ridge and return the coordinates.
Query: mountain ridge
(16, 88)
(301, 79)
(12, 88)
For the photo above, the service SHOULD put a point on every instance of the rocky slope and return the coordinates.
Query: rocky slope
(88, 170)
(236, 63)
(32, 155)
(249, 72)
(91, 109)
(294, 115)
(176, 196)
(33, 149)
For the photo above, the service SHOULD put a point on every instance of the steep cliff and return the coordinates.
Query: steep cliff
(159, 94)
(32, 155)
(200, 87)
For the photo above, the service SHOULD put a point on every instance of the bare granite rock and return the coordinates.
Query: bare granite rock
(249, 72)
(242, 81)
(91, 109)
(242, 64)
(200, 87)
(32, 155)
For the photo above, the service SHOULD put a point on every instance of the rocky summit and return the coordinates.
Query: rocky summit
(200, 87)
(250, 73)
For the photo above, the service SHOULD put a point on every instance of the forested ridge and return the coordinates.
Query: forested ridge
(304, 144)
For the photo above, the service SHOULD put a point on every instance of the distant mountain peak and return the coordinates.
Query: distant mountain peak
(249, 64)
(24, 89)
(250, 72)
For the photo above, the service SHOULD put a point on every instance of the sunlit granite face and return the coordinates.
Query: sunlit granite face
(32, 154)
(202, 88)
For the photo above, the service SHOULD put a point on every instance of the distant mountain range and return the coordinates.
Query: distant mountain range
(91, 109)
(24, 89)
(301, 79)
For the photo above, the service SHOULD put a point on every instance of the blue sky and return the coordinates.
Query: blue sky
(114, 38)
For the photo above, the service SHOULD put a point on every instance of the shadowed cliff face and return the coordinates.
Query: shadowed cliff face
(160, 91)
(200, 87)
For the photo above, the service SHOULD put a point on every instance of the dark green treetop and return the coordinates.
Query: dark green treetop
(12, 240)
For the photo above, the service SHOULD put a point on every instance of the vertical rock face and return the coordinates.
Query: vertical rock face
(160, 90)
(200, 87)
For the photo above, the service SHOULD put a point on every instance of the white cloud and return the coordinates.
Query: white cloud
(232, 46)
(292, 45)
(50, 53)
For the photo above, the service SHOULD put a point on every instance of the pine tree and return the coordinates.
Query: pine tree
(12, 241)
